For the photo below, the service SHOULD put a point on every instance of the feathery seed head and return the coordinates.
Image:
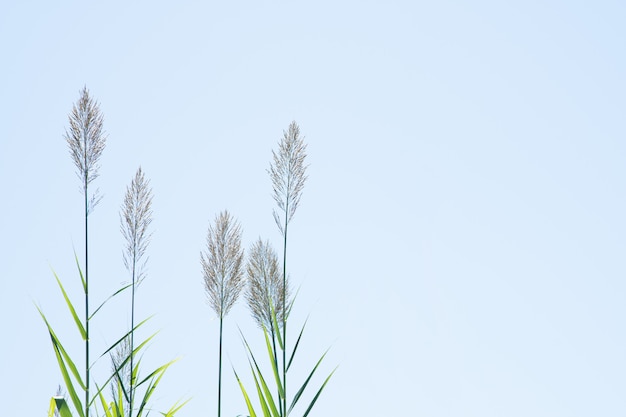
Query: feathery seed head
(265, 284)
(86, 140)
(288, 174)
(135, 218)
(222, 263)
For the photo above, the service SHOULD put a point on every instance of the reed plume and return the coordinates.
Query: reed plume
(288, 174)
(86, 141)
(135, 217)
(223, 273)
(121, 371)
(265, 285)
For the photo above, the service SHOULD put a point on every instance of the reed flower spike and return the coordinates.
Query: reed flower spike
(222, 267)
(86, 141)
(288, 174)
(136, 216)
(265, 285)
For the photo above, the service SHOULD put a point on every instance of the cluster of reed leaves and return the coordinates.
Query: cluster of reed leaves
(86, 141)
(267, 286)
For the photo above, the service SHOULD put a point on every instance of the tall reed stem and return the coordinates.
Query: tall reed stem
(86, 294)
(135, 218)
(223, 275)
(86, 141)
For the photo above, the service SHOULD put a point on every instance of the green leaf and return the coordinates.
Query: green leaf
(59, 403)
(152, 385)
(105, 406)
(121, 339)
(79, 324)
(281, 390)
(275, 321)
(318, 394)
(174, 409)
(306, 382)
(80, 271)
(160, 370)
(264, 407)
(245, 396)
(268, 395)
(61, 354)
(110, 296)
(293, 354)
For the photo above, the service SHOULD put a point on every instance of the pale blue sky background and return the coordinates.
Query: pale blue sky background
(460, 242)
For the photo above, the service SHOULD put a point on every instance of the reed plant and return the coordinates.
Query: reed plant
(136, 216)
(86, 141)
(268, 298)
(222, 267)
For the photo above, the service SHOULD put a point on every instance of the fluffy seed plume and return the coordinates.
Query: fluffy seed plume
(135, 217)
(222, 263)
(86, 141)
(288, 174)
(265, 284)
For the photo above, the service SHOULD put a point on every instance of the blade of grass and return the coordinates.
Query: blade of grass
(281, 390)
(79, 324)
(295, 348)
(80, 272)
(110, 296)
(318, 394)
(264, 406)
(245, 396)
(59, 404)
(266, 391)
(306, 382)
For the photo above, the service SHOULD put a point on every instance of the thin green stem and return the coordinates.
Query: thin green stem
(219, 380)
(86, 293)
(280, 404)
(285, 310)
(132, 340)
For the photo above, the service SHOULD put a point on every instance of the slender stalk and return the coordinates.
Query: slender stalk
(223, 274)
(288, 174)
(285, 312)
(135, 218)
(132, 339)
(219, 380)
(86, 141)
(86, 295)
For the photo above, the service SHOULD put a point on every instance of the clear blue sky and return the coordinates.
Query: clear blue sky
(460, 242)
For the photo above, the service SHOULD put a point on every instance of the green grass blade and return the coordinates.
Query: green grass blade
(68, 382)
(121, 339)
(152, 385)
(281, 390)
(53, 406)
(268, 395)
(245, 396)
(56, 343)
(80, 271)
(174, 409)
(264, 406)
(79, 323)
(295, 348)
(277, 327)
(306, 382)
(110, 296)
(105, 406)
(59, 404)
(318, 394)
(160, 371)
